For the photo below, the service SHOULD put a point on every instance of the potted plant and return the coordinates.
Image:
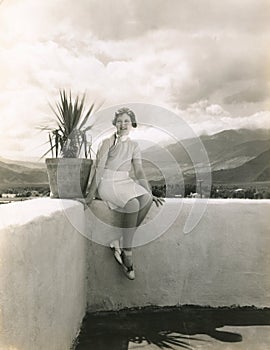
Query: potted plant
(68, 172)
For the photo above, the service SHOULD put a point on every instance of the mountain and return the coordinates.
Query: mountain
(246, 142)
(238, 136)
(14, 174)
(226, 150)
(257, 169)
(28, 164)
(234, 155)
(239, 154)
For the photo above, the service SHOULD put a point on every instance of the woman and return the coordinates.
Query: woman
(115, 157)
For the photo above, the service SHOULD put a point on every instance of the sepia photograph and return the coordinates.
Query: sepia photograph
(134, 175)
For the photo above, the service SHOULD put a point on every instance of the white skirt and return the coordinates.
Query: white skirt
(116, 188)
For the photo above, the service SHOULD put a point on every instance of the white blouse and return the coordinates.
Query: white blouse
(121, 154)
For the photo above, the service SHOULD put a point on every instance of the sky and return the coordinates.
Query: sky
(207, 61)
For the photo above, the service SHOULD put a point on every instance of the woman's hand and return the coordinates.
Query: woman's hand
(86, 202)
(158, 200)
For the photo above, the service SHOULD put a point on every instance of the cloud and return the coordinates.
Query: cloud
(215, 63)
(207, 118)
(204, 60)
(254, 93)
(260, 120)
(134, 18)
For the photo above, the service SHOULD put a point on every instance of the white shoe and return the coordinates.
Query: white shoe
(128, 270)
(115, 247)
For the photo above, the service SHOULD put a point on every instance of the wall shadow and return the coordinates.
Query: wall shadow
(167, 328)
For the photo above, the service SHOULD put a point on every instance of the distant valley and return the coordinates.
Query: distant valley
(235, 156)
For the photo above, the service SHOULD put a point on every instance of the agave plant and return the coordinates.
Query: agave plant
(70, 136)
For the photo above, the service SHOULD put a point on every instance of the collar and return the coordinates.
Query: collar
(119, 138)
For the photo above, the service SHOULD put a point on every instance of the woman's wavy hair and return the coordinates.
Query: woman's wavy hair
(127, 111)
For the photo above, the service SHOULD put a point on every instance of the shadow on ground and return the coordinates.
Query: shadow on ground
(168, 328)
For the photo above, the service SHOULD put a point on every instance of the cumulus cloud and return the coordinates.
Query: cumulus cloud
(260, 120)
(208, 118)
(204, 60)
(133, 18)
(254, 93)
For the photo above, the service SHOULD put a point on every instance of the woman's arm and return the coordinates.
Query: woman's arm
(140, 175)
(102, 155)
(93, 187)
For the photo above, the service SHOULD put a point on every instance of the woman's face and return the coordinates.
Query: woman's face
(123, 124)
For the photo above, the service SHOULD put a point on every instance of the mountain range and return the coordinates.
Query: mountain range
(235, 156)
(17, 173)
(255, 170)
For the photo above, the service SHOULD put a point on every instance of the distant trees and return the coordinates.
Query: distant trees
(168, 190)
(217, 191)
(27, 191)
(226, 191)
(159, 190)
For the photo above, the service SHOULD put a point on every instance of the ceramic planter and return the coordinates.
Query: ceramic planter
(68, 177)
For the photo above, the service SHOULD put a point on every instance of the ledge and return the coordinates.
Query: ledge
(54, 269)
(42, 275)
(21, 213)
(223, 260)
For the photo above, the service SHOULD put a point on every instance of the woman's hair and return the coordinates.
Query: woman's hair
(127, 111)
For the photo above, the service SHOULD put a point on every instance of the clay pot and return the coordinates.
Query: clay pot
(68, 177)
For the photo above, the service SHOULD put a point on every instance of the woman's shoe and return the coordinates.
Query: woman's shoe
(127, 266)
(129, 272)
(115, 247)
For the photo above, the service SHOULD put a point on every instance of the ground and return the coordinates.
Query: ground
(177, 328)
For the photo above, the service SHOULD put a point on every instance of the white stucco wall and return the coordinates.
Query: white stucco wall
(51, 271)
(42, 275)
(223, 261)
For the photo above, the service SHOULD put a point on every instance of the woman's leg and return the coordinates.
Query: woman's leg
(145, 204)
(133, 214)
(129, 222)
